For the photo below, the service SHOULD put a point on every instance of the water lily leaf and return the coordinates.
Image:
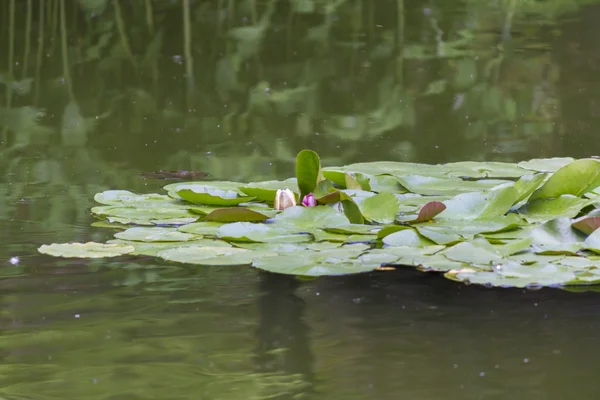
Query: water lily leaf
(407, 237)
(546, 164)
(201, 228)
(153, 248)
(137, 213)
(213, 255)
(513, 246)
(515, 275)
(543, 209)
(480, 204)
(487, 169)
(156, 234)
(210, 196)
(265, 191)
(308, 171)
(351, 209)
(305, 219)
(431, 185)
(557, 231)
(527, 184)
(85, 250)
(556, 248)
(586, 224)
(342, 261)
(359, 229)
(236, 214)
(381, 208)
(250, 232)
(173, 221)
(592, 242)
(352, 183)
(473, 254)
(173, 188)
(429, 211)
(574, 179)
(441, 235)
(388, 230)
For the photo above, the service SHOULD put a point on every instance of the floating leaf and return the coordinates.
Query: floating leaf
(212, 255)
(210, 196)
(265, 191)
(141, 234)
(249, 232)
(85, 250)
(342, 261)
(236, 214)
(480, 204)
(381, 208)
(305, 219)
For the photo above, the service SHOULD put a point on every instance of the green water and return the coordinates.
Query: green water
(93, 93)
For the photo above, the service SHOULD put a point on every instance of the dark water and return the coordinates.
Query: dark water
(101, 91)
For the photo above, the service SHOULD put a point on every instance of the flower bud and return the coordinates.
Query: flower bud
(284, 199)
(309, 200)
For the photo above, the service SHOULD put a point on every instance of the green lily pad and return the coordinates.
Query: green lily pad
(153, 248)
(201, 228)
(546, 164)
(342, 261)
(574, 179)
(515, 275)
(222, 256)
(480, 204)
(266, 191)
(542, 209)
(236, 214)
(407, 237)
(250, 232)
(305, 219)
(210, 196)
(427, 185)
(156, 234)
(381, 208)
(85, 250)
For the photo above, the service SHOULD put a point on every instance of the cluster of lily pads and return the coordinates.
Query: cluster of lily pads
(528, 224)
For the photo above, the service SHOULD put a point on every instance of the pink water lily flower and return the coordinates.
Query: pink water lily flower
(309, 200)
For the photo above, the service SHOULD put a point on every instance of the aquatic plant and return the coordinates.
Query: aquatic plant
(532, 223)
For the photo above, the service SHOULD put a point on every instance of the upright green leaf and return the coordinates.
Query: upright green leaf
(308, 171)
(575, 179)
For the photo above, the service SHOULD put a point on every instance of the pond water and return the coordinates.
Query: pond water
(96, 92)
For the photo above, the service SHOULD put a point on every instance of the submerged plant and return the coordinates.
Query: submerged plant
(497, 224)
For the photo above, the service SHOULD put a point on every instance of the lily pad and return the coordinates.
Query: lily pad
(236, 214)
(342, 261)
(210, 196)
(381, 208)
(222, 256)
(157, 234)
(85, 250)
(574, 179)
(249, 232)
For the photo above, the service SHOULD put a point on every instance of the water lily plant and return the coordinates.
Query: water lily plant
(534, 223)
